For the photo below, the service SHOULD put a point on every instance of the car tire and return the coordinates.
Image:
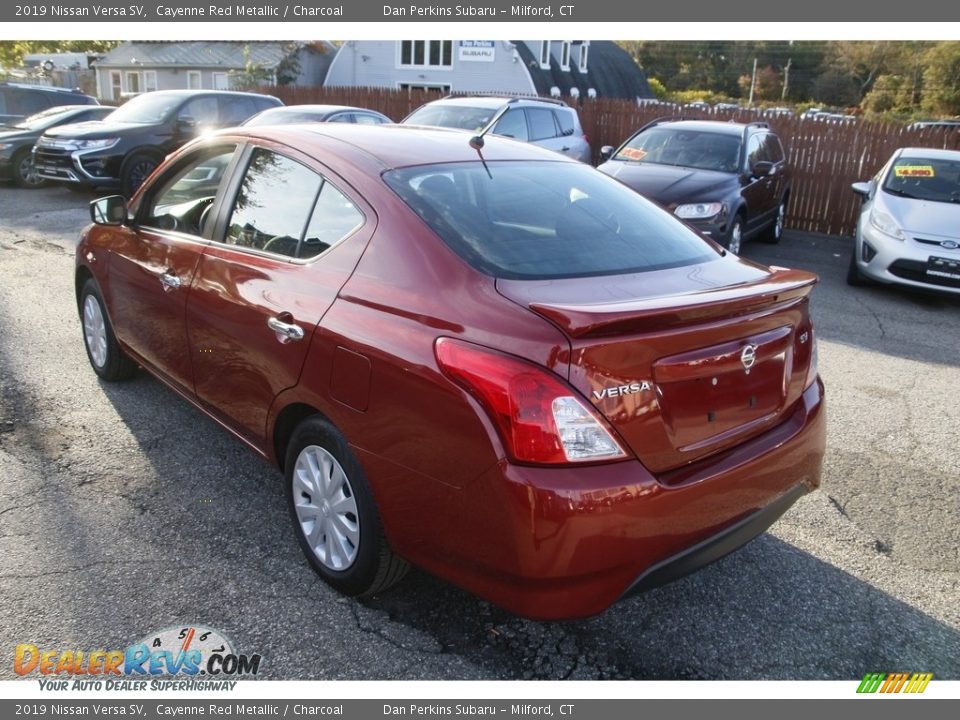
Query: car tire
(774, 233)
(734, 240)
(334, 515)
(106, 357)
(135, 169)
(23, 173)
(854, 276)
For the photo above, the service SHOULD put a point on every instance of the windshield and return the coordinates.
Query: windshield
(685, 148)
(42, 120)
(147, 109)
(452, 116)
(921, 178)
(536, 220)
(286, 117)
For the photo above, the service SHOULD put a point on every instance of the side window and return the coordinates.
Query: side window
(28, 103)
(365, 119)
(234, 110)
(202, 110)
(513, 124)
(772, 148)
(188, 190)
(341, 118)
(754, 150)
(564, 121)
(542, 124)
(266, 214)
(334, 218)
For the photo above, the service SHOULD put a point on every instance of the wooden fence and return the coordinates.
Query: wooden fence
(825, 157)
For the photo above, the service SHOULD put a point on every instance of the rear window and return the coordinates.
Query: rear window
(539, 220)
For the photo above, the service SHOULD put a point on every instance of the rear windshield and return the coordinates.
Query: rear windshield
(936, 180)
(539, 220)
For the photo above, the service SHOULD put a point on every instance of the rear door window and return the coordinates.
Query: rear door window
(542, 124)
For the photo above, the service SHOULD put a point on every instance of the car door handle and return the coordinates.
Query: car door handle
(286, 332)
(565, 149)
(169, 280)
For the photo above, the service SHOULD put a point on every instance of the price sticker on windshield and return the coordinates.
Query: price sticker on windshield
(632, 154)
(902, 171)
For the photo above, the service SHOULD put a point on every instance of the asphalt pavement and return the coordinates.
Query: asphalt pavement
(124, 511)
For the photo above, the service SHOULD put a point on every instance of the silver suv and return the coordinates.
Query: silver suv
(548, 123)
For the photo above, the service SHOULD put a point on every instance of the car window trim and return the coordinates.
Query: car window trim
(232, 188)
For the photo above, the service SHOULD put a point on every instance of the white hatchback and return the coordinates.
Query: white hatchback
(909, 227)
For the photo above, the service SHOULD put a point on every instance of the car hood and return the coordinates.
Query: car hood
(10, 134)
(92, 129)
(669, 184)
(922, 217)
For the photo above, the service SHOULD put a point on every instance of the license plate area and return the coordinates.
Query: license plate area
(943, 267)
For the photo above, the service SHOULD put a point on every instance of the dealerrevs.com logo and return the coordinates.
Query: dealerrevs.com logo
(179, 658)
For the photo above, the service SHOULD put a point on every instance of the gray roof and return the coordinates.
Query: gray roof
(610, 71)
(200, 53)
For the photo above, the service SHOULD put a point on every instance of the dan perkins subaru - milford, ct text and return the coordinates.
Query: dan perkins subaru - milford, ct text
(476, 11)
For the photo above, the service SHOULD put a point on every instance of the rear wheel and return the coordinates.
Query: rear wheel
(24, 173)
(334, 514)
(775, 231)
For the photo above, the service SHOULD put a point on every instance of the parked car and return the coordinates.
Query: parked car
(728, 180)
(120, 153)
(290, 114)
(935, 124)
(19, 100)
(909, 227)
(17, 139)
(545, 122)
(497, 364)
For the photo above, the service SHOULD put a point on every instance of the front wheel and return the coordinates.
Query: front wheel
(136, 169)
(24, 172)
(735, 235)
(334, 514)
(109, 362)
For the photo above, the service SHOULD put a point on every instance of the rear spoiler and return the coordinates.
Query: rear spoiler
(780, 288)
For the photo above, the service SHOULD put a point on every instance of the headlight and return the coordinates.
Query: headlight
(6, 146)
(698, 211)
(96, 144)
(885, 224)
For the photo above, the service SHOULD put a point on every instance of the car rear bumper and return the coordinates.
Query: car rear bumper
(557, 543)
(904, 262)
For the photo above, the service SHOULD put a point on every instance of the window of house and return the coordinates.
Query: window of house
(220, 81)
(565, 55)
(442, 87)
(133, 82)
(193, 80)
(116, 84)
(149, 80)
(426, 53)
(545, 54)
(584, 50)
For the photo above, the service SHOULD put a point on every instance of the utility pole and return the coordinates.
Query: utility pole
(753, 83)
(786, 80)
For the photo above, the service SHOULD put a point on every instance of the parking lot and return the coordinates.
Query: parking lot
(124, 511)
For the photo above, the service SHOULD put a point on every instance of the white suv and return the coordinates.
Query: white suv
(548, 123)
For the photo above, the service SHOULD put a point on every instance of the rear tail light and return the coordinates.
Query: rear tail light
(539, 418)
(812, 370)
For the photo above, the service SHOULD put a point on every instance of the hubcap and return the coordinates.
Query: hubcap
(140, 172)
(28, 173)
(735, 234)
(95, 331)
(326, 508)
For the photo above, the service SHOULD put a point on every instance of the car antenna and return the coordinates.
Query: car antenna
(476, 142)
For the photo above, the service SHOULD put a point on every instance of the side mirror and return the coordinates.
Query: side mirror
(186, 123)
(864, 189)
(762, 168)
(110, 210)
(606, 152)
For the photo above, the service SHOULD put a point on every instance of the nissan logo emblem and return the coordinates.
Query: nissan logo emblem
(748, 356)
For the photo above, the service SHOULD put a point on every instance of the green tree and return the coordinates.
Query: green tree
(941, 79)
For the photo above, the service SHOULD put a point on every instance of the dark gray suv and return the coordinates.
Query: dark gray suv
(19, 100)
(120, 153)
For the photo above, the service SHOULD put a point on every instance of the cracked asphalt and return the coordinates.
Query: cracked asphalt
(124, 511)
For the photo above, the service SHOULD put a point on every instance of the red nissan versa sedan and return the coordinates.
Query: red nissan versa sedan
(497, 364)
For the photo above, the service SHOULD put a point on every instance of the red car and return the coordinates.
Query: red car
(485, 359)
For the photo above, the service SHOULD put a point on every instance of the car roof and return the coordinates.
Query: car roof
(320, 109)
(714, 126)
(188, 93)
(395, 146)
(931, 153)
(494, 101)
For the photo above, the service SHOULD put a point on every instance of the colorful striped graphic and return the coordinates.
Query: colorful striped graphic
(894, 682)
